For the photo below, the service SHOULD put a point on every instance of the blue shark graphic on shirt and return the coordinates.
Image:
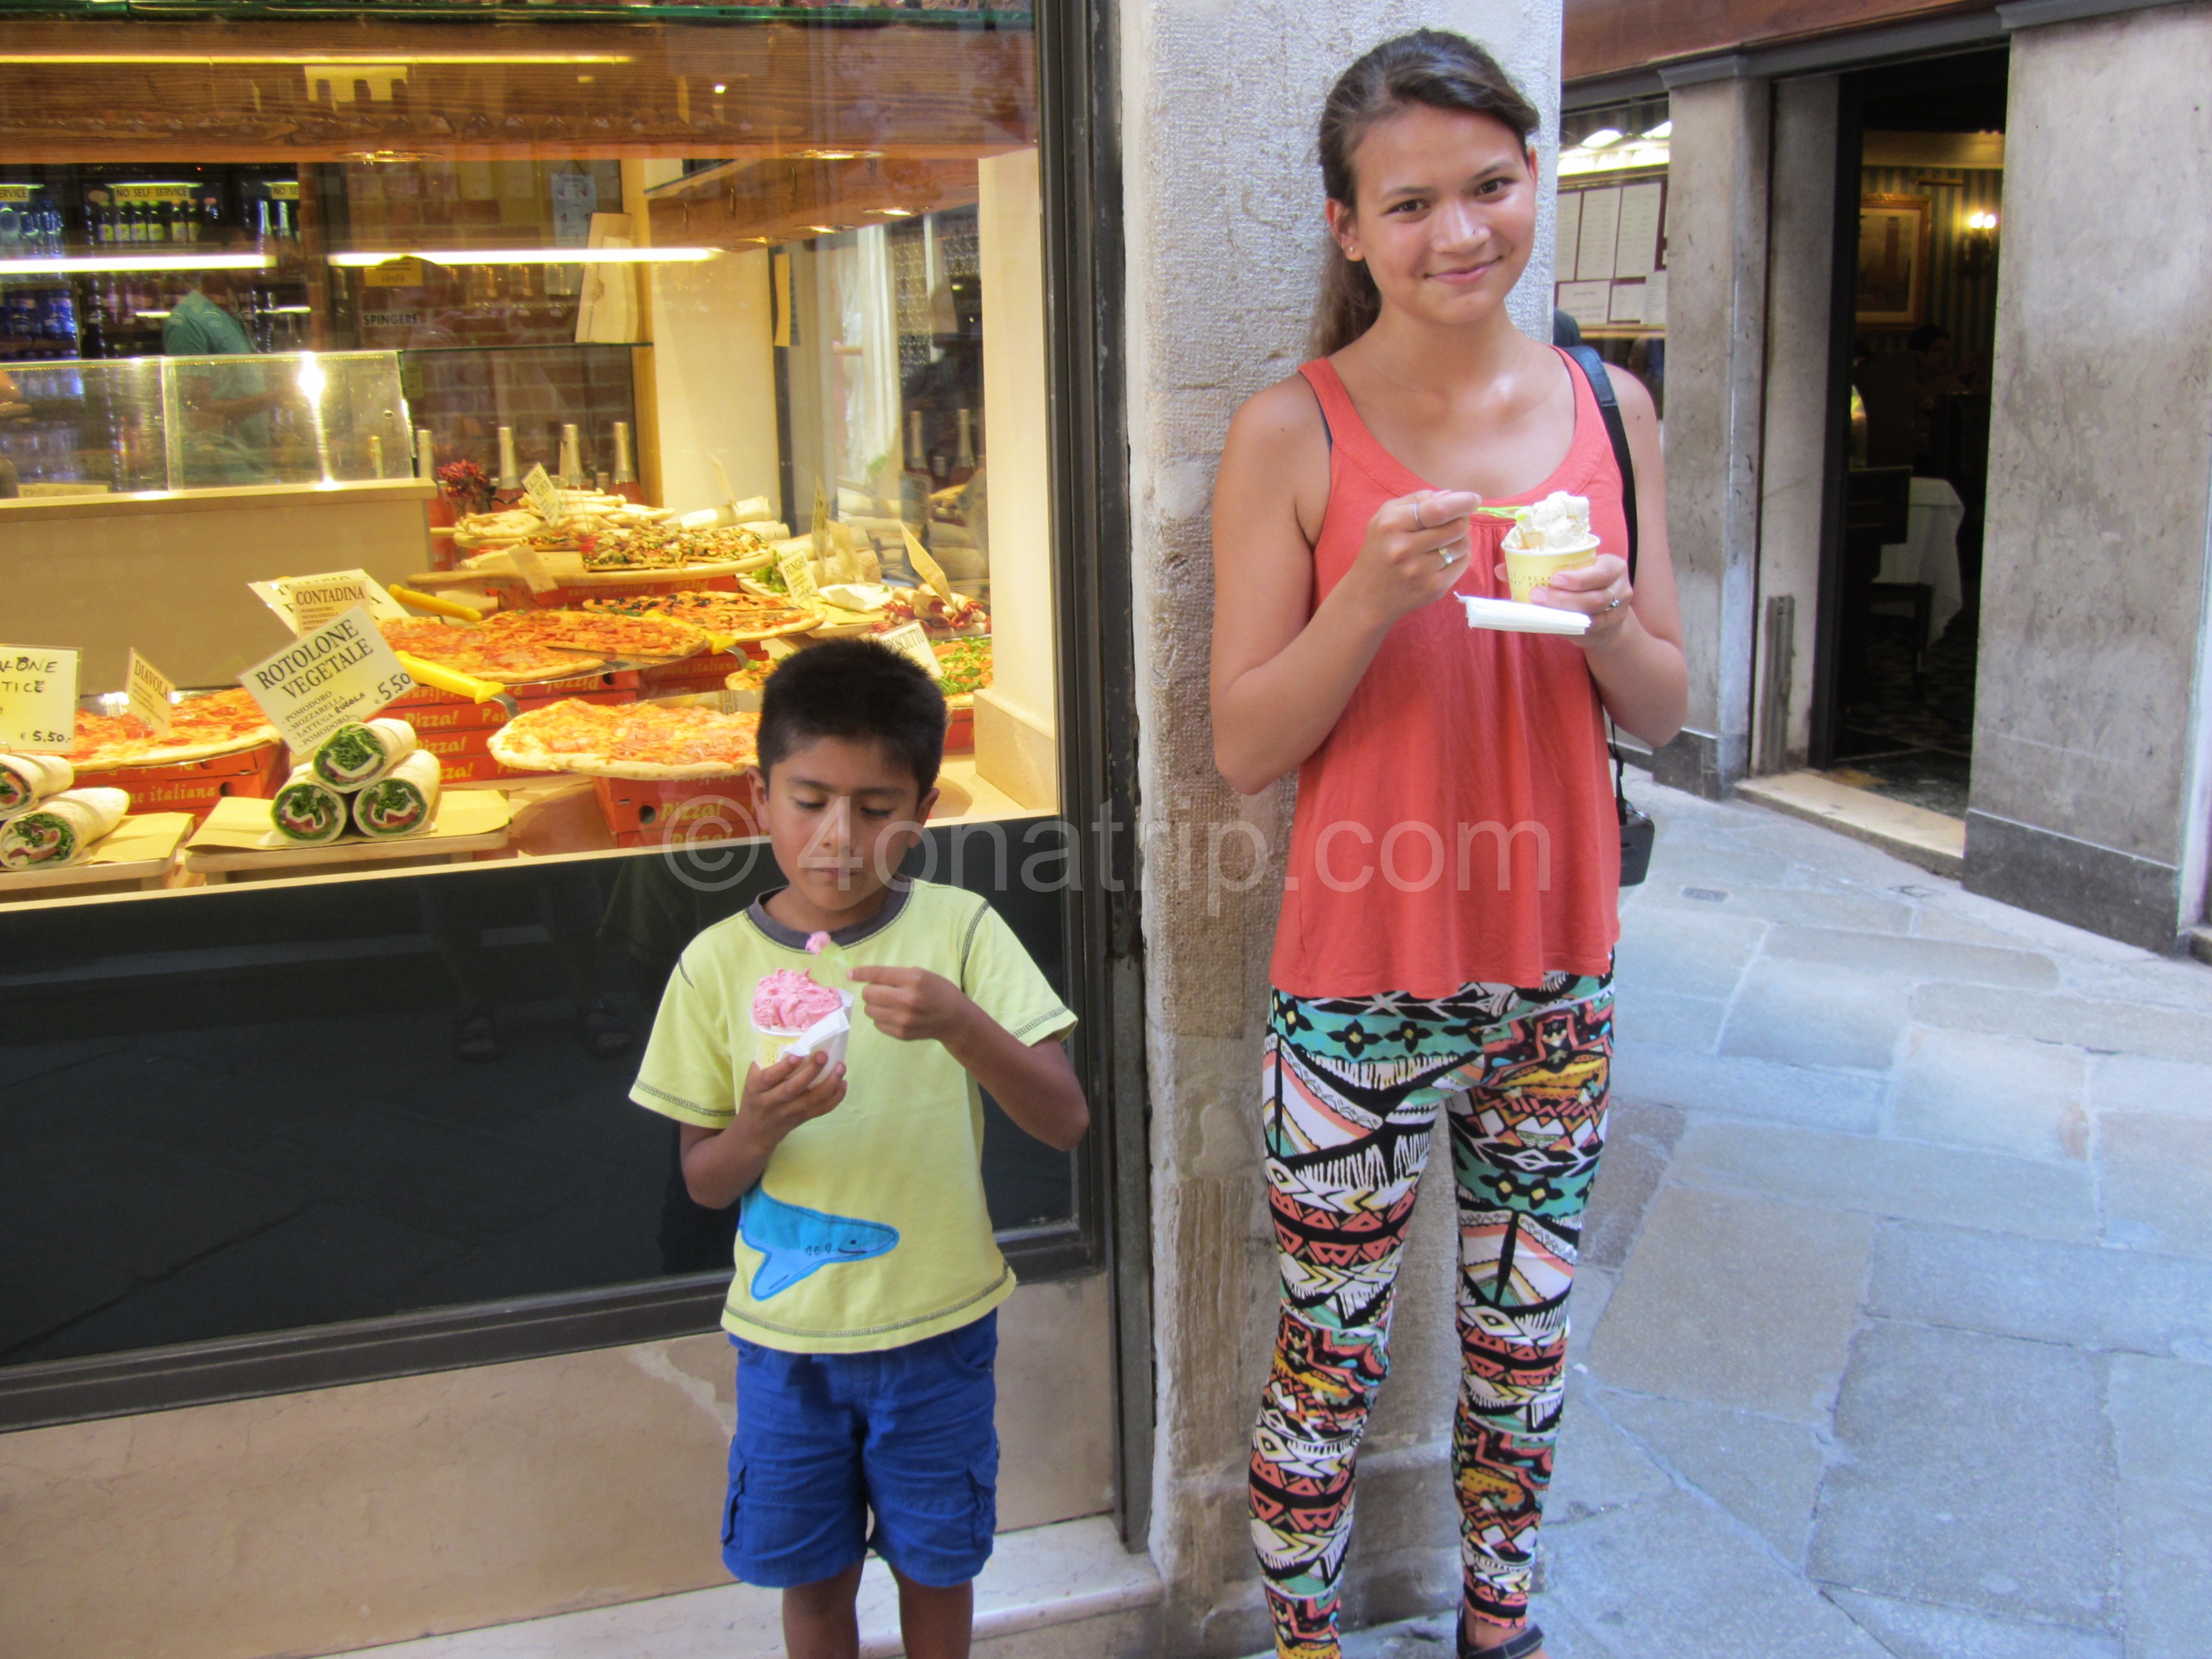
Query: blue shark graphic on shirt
(794, 1242)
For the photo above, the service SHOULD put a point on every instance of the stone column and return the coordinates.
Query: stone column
(1222, 217)
(1716, 215)
(1799, 299)
(2090, 776)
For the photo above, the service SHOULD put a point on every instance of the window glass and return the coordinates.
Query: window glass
(1610, 266)
(729, 315)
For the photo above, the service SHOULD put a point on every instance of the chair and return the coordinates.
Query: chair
(1877, 511)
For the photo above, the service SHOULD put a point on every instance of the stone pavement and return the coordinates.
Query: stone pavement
(1893, 1333)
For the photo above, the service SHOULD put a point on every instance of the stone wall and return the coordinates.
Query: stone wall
(1224, 235)
(2090, 770)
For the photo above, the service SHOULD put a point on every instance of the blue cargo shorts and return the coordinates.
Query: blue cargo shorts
(824, 1439)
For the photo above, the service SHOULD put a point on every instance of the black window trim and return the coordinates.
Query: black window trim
(1079, 138)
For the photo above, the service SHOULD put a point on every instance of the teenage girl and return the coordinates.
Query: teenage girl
(1451, 906)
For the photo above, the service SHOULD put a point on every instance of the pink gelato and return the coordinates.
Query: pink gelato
(789, 1000)
(815, 942)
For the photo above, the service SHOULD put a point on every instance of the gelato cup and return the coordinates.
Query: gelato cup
(793, 1013)
(828, 1035)
(1527, 572)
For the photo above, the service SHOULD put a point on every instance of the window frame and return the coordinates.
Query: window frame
(1079, 144)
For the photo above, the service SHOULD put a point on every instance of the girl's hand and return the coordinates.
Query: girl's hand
(1415, 552)
(1599, 590)
(911, 1003)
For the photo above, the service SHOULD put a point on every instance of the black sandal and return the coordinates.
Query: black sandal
(1519, 1645)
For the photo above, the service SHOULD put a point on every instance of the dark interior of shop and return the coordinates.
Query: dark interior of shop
(216, 1126)
(1923, 270)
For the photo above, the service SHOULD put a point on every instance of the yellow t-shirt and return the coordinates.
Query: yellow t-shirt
(868, 1229)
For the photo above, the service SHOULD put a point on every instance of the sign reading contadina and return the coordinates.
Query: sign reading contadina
(342, 671)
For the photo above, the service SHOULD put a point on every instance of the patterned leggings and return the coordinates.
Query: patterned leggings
(1351, 1090)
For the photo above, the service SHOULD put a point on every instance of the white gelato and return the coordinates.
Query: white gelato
(1558, 524)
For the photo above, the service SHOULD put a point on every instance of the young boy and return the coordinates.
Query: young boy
(864, 1306)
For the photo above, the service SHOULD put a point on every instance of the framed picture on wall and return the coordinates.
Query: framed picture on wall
(1893, 262)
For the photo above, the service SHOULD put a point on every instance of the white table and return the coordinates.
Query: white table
(1929, 556)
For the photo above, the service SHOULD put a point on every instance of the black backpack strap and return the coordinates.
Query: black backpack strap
(1600, 384)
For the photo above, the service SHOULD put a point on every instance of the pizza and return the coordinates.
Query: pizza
(596, 634)
(483, 652)
(963, 668)
(216, 723)
(741, 616)
(628, 740)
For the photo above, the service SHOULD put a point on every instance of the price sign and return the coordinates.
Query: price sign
(797, 576)
(149, 689)
(342, 671)
(545, 495)
(909, 641)
(819, 530)
(931, 571)
(306, 602)
(38, 698)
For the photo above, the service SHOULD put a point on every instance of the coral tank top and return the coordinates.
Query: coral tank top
(1457, 825)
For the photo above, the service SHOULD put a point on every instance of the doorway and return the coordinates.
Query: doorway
(1920, 186)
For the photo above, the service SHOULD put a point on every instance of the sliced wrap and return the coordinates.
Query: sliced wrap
(356, 755)
(403, 802)
(61, 829)
(27, 779)
(306, 812)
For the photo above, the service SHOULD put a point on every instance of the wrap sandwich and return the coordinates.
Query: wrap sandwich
(356, 755)
(403, 802)
(61, 829)
(306, 812)
(27, 779)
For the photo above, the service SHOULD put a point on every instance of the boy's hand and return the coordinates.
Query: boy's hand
(796, 1090)
(912, 1004)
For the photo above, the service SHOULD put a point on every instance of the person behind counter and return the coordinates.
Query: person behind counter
(228, 435)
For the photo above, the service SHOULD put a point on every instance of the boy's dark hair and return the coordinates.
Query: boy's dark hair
(859, 690)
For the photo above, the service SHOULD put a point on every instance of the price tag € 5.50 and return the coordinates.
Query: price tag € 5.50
(38, 698)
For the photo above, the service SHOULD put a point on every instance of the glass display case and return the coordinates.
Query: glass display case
(312, 297)
(75, 428)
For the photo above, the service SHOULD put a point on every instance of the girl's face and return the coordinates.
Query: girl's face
(1446, 213)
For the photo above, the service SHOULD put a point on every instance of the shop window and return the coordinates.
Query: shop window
(1610, 266)
(484, 320)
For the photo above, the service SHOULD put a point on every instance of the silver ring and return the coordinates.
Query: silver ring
(1615, 606)
(1446, 555)
(1418, 525)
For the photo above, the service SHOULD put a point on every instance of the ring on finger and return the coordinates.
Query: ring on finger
(1418, 525)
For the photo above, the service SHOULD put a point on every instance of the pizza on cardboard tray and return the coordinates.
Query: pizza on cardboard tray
(218, 723)
(643, 741)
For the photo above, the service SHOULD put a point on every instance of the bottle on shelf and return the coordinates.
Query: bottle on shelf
(625, 482)
(572, 459)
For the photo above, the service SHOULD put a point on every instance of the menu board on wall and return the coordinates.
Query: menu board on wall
(1600, 229)
(1567, 236)
(1590, 304)
(1636, 252)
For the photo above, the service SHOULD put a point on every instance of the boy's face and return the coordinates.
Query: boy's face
(841, 815)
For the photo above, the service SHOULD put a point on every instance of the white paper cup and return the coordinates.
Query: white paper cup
(828, 1036)
(1527, 572)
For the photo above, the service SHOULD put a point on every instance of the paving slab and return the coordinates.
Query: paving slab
(1593, 1293)
(1913, 1630)
(1805, 906)
(1806, 1014)
(1699, 952)
(1891, 1177)
(2053, 1017)
(1912, 956)
(1764, 1472)
(2087, 1295)
(1848, 1101)
(2136, 1082)
(1674, 1575)
(1999, 1093)
(1639, 1139)
(2156, 1176)
(2162, 1412)
(1675, 862)
(1641, 1015)
(1596, 1468)
(2166, 1570)
(1975, 1472)
(1736, 1300)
